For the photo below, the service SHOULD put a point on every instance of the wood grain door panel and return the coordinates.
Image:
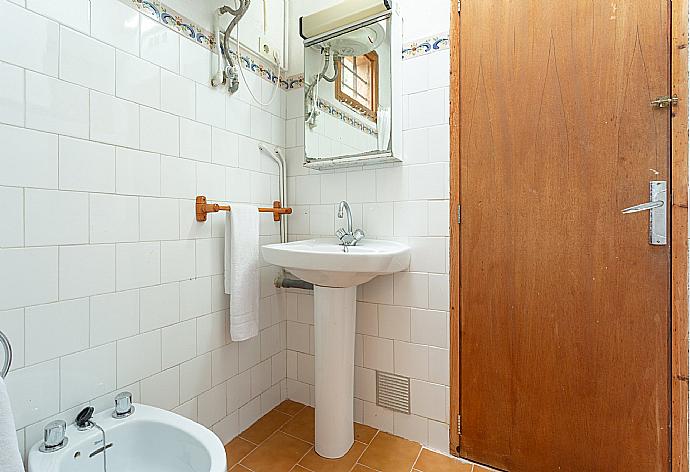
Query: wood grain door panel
(564, 304)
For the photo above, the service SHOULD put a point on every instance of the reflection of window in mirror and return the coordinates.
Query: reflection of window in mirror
(357, 85)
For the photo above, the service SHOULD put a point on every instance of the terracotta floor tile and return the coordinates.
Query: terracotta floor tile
(361, 468)
(299, 468)
(364, 433)
(315, 462)
(302, 425)
(237, 449)
(289, 407)
(389, 453)
(265, 426)
(279, 453)
(434, 462)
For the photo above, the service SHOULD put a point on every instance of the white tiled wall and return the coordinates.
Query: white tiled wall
(107, 282)
(402, 319)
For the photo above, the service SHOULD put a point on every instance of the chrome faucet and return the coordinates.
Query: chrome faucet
(348, 237)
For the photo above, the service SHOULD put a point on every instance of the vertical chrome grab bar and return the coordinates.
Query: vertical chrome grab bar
(8, 355)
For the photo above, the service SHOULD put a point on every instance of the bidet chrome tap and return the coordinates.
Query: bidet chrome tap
(348, 237)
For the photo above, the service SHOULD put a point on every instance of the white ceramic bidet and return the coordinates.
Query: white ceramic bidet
(150, 440)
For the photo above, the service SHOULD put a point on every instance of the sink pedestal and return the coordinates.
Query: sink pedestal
(334, 338)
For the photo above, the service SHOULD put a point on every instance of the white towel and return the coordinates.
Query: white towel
(10, 459)
(383, 134)
(242, 270)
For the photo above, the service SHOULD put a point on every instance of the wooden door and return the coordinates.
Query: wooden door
(564, 304)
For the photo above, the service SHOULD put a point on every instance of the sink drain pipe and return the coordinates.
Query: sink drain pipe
(286, 282)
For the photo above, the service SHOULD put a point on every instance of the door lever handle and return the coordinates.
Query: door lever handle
(643, 207)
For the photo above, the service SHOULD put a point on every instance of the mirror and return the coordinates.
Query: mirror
(349, 106)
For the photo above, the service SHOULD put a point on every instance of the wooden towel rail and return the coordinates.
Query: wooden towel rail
(203, 209)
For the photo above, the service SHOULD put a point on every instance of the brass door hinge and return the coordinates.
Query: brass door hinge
(665, 102)
(459, 426)
(459, 214)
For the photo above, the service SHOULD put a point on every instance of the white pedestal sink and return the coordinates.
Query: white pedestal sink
(335, 275)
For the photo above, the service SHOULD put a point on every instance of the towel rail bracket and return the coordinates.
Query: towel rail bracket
(203, 208)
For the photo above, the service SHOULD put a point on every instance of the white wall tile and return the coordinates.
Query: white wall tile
(178, 260)
(439, 298)
(32, 391)
(113, 218)
(86, 270)
(367, 319)
(160, 44)
(159, 132)
(86, 166)
(195, 140)
(239, 388)
(86, 62)
(195, 377)
(195, 62)
(428, 255)
(55, 217)
(430, 327)
(428, 400)
(158, 219)
(224, 363)
(438, 436)
(12, 209)
(411, 360)
(209, 256)
(225, 147)
(427, 108)
(178, 177)
(138, 265)
(210, 181)
(114, 316)
(178, 343)
(116, 24)
(439, 218)
(12, 94)
(210, 106)
(394, 322)
(238, 116)
(56, 106)
(210, 331)
(12, 324)
(378, 353)
(379, 290)
(137, 172)
(56, 329)
(87, 375)
(177, 95)
(410, 218)
(361, 186)
(439, 365)
(159, 305)
(429, 181)
(29, 158)
(138, 357)
(113, 120)
(30, 276)
(195, 297)
(41, 52)
(162, 390)
(137, 80)
(411, 427)
(415, 72)
(212, 405)
(249, 353)
(411, 289)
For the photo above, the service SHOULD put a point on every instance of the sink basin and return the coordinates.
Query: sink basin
(324, 262)
(335, 273)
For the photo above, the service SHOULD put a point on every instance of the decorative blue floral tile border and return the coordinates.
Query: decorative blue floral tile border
(425, 46)
(337, 113)
(187, 28)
